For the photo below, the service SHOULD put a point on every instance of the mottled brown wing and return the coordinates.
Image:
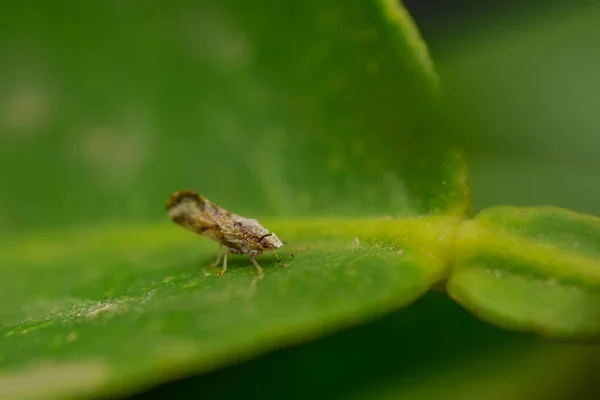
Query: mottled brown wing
(197, 214)
(228, 231)
(193, 212)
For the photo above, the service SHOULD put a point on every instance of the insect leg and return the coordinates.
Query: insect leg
(278, 259)
(219, 255)
(222, 271)
(258, 267)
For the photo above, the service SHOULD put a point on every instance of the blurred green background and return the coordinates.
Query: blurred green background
(106, 108)
(526, 78)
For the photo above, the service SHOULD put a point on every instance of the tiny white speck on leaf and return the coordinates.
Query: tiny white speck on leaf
(96, 311)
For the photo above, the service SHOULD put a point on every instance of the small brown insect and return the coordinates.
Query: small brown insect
(238, 234)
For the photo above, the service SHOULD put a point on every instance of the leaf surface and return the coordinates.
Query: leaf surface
(531, 269)
(120, 308)
(317, 118)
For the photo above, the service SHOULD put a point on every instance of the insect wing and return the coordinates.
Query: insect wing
(219, 216)
(188, 209)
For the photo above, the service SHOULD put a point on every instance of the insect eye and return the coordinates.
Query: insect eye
(264, 242)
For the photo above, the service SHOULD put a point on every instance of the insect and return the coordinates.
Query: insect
(237, 234)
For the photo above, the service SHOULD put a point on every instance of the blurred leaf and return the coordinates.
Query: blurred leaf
(531, 269)
(269, 108)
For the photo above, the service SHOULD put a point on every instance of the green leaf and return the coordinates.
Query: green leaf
(124, 307)
(266, 108)
(404, 355)
(531, 269)
(321, 110)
